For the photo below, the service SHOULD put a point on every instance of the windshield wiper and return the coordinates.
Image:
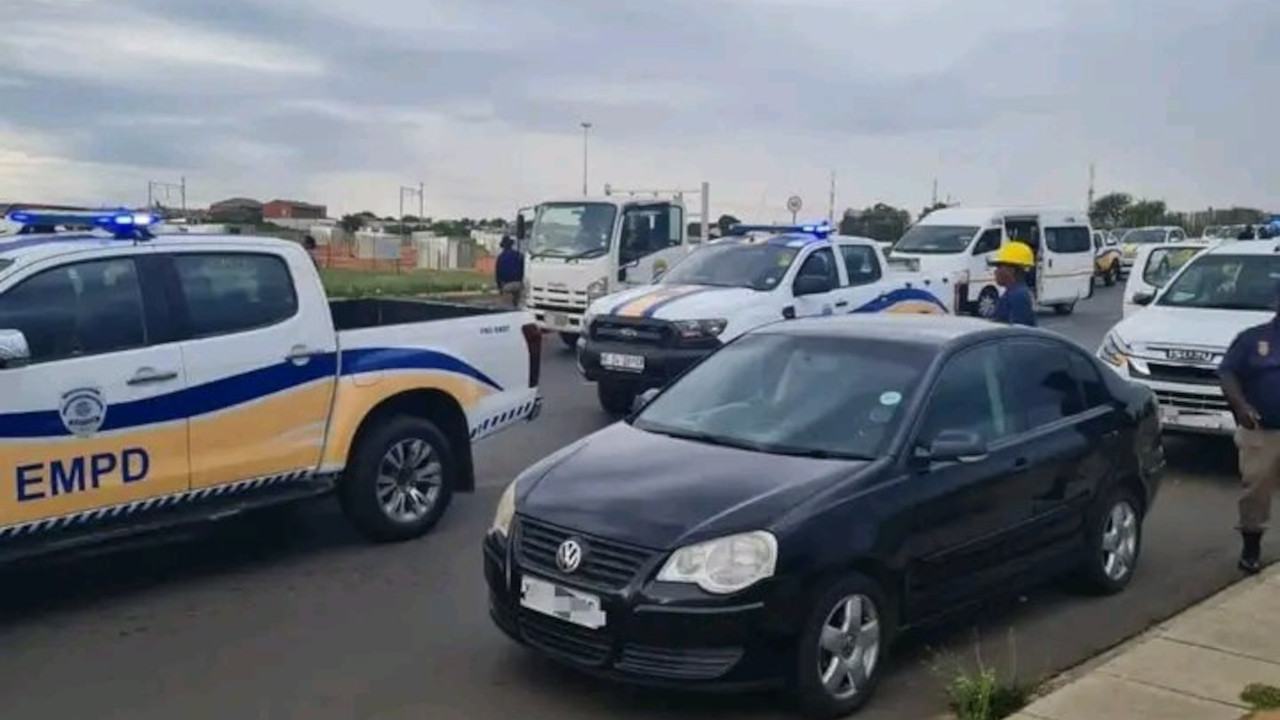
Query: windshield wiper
(816, 453)
(705, 437)
(585, 254)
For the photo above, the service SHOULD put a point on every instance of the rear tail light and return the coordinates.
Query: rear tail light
(533, 339)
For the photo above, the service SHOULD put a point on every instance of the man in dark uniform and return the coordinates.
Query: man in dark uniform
(1015, 306)
(1250, 373)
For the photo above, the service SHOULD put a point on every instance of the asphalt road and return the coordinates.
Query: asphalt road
(297, 618)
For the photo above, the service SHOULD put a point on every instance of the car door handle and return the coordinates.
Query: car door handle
(843, 303)
(1021, 464)
(300, 354)
(147, 375)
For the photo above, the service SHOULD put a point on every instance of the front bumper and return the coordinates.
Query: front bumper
(1196, 408)
(661, 364)
(655, 634)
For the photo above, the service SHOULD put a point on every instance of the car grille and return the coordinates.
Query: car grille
(606, 565)
(610, 328)
(1185, 374)
(1192, 401)
(678, 663)
(557, 298)
(556, 637)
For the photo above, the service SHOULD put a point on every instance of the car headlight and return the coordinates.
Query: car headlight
(506, 511)
(724, 565)
(598, 289)
(708, 328)
(1114, 350)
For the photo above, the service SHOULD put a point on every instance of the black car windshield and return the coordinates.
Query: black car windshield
(1226, 282)
(572, 230)
(1144, 237)
(793, 394)
(936, 239)
(759, 266)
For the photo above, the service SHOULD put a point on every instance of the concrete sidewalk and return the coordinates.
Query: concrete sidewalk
(1192, 667)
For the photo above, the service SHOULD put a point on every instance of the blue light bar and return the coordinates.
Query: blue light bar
(818, 230)
(123, 224)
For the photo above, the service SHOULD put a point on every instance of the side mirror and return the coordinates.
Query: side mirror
(1143, 298)
(644, 399)
(812, 285)
(14, 351)
(522, 228)
(954, 446)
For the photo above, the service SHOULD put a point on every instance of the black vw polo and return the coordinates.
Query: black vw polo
(781, 511)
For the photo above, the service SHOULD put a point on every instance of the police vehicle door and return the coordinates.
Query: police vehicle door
(650, 240)
(90, 418)
(819, 264)
(261, 353)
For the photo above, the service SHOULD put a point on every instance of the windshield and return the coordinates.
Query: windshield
(1226, 282)
(1164, 263)
(572, 230)
(1144, 237)
(789, 394)
(936, 239)
(759, 266)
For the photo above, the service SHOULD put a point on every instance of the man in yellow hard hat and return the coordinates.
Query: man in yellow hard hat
(1015, 306)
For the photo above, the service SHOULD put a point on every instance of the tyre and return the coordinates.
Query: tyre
(841, 649)
(616, 398)
(1113, 275)
(986, 305)
(1113, 544)
(570, 340)
(1064, 308)
(400, 480)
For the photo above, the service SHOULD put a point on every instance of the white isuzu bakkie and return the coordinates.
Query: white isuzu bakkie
(149, 381)
(582, 249)
(1176, 341)
(643, 338)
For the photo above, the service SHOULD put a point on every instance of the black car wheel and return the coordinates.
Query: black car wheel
(1113, 275)
(1064, 308)
(986, 305)
(400, 480)
(1114, 544)
(570, 340)
(616, 398)
(842, 648)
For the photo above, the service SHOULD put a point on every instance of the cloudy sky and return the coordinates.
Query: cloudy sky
(344, 101)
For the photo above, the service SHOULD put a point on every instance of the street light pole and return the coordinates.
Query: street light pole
(586, 131)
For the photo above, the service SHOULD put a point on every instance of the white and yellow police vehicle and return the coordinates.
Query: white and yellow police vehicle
(642, 338)
(148, 381)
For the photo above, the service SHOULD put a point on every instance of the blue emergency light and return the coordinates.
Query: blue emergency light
(123, 224)
(818, 230)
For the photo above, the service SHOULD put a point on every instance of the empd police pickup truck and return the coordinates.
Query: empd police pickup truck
(150, 381)
(644, 337)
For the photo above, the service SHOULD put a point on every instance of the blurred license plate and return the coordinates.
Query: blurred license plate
(571, 606)
(618, 361)
(557, 320)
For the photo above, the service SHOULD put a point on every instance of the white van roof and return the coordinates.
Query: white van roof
(980, 216)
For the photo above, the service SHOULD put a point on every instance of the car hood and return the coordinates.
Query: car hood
(660, 492)
(677, 302)
(1161, 326)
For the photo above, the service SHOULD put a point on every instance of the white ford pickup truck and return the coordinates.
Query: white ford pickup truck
(642, 338)
(1175, 342)
(150, 381)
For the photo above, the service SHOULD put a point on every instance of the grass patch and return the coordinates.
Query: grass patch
(980, 692)
(1261, 698)
(345, 283)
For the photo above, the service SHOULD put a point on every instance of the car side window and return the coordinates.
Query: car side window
(234, 292)
(989, 242)
(86, 308)
(1067, 239)
(820, 263)
(1090, 381)
(860, 264)
(970, 396)
(1044, 388)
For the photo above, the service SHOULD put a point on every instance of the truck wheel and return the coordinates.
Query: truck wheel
(1064, 308)
(616, 398)
(400, 480)
(570, 340)
(986, 305)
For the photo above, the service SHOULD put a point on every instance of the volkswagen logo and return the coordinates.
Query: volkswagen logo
(629, 333)
(569, 555)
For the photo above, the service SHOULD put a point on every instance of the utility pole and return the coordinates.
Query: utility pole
(831, 201)
(934, 201)
(167, 187)
(1092, 175)
(420, 191)
(586, 132)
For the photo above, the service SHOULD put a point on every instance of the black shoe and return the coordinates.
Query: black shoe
(1250, 566)
(1251, 553)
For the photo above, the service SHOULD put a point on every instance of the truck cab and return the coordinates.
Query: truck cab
(966, 239)
(582, 249)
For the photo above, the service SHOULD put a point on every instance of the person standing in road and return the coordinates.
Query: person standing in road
(1250, 373)
(1015, 306)
(508, 271)
(1246, 234)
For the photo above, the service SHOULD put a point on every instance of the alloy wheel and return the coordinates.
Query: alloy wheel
(1120, 541)
(849, 646)
(409, 479)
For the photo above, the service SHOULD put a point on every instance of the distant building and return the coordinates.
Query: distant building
(293, 210)
(236, 210)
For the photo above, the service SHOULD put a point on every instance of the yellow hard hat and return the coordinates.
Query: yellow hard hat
(1015, 253)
